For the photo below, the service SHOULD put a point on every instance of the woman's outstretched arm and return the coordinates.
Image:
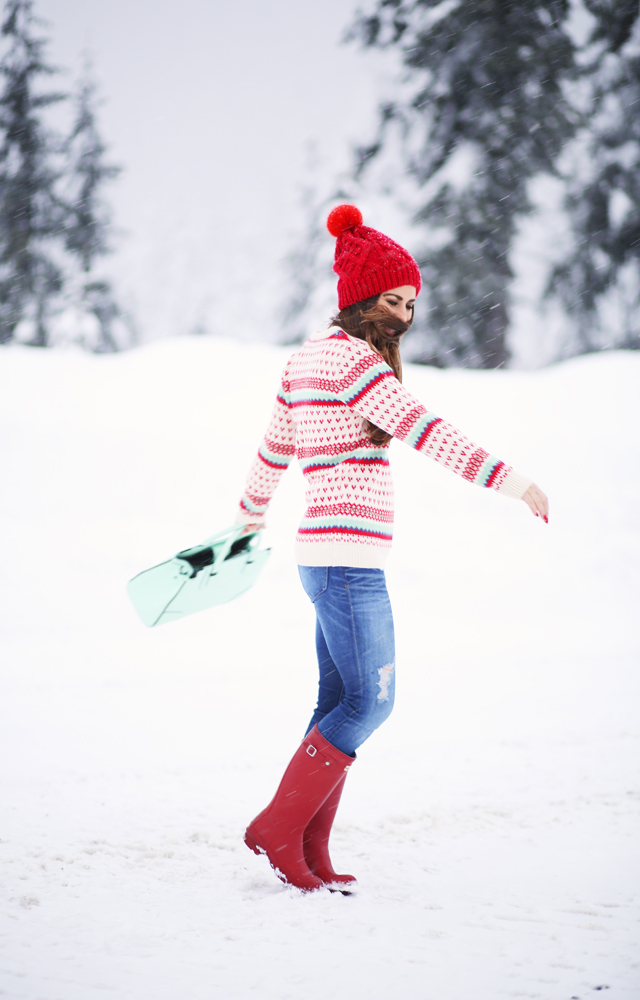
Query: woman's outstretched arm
(371, 389)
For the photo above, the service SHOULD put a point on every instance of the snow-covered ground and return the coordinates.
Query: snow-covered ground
(492, 822)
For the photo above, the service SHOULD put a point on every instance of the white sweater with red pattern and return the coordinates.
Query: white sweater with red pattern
(328, 388)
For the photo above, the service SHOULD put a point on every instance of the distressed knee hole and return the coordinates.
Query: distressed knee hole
(384, 679)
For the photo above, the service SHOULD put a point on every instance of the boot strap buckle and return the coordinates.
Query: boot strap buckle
(311, 750)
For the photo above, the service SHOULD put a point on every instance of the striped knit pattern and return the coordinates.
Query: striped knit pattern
(328, 388)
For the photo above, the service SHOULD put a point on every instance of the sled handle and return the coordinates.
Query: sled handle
(230, 536)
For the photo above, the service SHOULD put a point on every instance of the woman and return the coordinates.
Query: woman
(340, 402)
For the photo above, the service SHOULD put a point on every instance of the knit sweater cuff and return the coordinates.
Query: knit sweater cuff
(514, 485)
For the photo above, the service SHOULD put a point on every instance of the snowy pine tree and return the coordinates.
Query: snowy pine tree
(31, 214)
(599, 281)
(481, 111)
(53, 222)
(88, 219)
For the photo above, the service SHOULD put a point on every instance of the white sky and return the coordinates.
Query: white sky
(209, 106)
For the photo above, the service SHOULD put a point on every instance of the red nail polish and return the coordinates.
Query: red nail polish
(546, 519)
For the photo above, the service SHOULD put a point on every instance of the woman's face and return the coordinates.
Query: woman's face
(400, 303)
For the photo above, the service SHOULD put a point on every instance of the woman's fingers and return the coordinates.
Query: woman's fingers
(250, 529)
(537, 502)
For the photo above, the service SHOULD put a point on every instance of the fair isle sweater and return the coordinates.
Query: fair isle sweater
(328, 388)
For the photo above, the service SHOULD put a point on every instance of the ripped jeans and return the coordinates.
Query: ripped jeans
(356, 652)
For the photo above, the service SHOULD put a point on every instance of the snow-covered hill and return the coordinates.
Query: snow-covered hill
(492, 821)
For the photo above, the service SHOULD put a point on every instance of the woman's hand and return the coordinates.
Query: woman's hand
(251, 529)
(537, 502)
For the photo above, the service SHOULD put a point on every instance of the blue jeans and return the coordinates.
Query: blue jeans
(356, 652)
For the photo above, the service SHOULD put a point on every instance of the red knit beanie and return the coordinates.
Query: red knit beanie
(367, 262)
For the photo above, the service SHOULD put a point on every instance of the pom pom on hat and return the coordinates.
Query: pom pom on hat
(342, 218)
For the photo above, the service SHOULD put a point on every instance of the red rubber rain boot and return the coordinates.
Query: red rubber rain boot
(312, 774)
(316, 840)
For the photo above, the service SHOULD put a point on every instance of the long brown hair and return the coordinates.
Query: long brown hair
(367, 321)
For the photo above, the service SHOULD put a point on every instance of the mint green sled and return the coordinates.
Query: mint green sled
(220, 569)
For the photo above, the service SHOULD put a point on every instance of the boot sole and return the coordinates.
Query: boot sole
(344, 888)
